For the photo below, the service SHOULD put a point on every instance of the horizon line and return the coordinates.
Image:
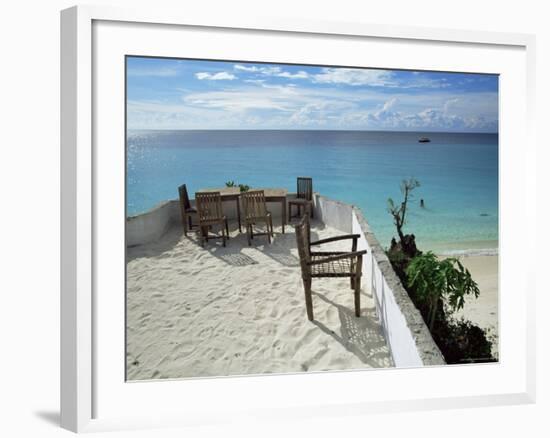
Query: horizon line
(313, 130)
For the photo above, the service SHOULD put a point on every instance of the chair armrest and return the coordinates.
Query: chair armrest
(335, 238)
(348, 255)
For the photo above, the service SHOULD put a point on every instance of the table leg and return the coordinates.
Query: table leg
(239, 214)
(283, 210)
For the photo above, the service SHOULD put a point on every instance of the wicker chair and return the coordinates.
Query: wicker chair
(328, 264)
(209, 211)
(255, 210)
(304, 197)
(186, 209)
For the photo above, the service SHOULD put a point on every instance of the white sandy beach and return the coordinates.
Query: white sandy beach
(483, 311)
(194, 312)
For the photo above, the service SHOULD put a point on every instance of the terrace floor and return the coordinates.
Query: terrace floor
(214, 311)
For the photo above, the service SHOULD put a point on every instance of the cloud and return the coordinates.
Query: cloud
(241, 100)
(299, 75)
(375, 78)
(448, 104)
(355, 77)
(158, 72)
(220, 76)
(270, 71)
(245, 68)
(311, 113)
(277, 100)
(274, 71)
(389, 104)
(402, 114)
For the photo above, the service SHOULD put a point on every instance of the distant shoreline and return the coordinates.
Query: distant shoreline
(462, 249)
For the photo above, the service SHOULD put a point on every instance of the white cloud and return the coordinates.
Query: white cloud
(241, 100)
(354, 76)
(220, 76)
(272, 71)
(245, 68)
(447, 105)
(255, 81)
(279, 100)
(389, 104)
(299, 75)
(158, 72)
(374, 78)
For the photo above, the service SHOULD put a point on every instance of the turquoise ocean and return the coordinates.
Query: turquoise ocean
(458, 173)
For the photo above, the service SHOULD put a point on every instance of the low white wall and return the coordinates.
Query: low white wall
(333, 213)
(149, 226)
(408, 337)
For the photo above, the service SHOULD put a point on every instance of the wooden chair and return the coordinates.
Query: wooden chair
(209, 211)
(255, 210)
(321, 264)
(304, 197)
(186, 209)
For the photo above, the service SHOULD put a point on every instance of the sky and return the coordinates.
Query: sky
(192, 94)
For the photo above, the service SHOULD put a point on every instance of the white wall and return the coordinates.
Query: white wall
(29, 169)
(332, 212)
(409, 339)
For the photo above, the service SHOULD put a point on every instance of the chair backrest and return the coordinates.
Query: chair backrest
(302, 241)
(184, 197)
(304, 189)
(209, 205)
(254, 203)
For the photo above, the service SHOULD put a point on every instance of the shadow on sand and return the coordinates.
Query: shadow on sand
(360, 336)
(279, 250)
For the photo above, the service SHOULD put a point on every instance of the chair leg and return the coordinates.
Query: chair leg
(203, 231)
(357, 296)
(268, 230)
(311, 209)
(248, 233)
(309, 301)
(352, 283)
(185, 229)
(271, 226)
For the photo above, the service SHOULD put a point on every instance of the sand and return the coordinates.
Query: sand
(483, 311)
(214, 311)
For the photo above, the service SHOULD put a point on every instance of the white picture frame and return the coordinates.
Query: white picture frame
(81, 370)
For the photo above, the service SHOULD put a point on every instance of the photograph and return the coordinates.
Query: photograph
(296, 218)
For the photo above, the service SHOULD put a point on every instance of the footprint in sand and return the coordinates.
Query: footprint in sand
(205, 333)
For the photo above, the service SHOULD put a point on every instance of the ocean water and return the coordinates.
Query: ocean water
(458, 175)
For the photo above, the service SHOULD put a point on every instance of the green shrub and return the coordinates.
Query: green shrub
(242, 187)
(435, 281)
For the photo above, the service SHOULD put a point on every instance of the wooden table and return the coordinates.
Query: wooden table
(271, 195)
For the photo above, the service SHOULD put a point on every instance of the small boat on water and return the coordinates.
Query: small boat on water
(424, 140)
